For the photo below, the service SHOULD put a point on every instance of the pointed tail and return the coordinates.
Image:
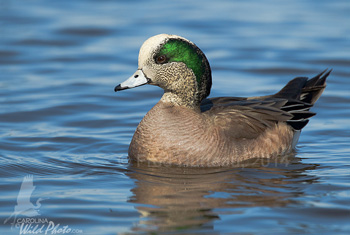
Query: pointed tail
(302, 93)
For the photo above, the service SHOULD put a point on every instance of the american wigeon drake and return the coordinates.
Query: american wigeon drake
(186, 128)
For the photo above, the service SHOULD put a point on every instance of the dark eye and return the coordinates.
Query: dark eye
(161, 59)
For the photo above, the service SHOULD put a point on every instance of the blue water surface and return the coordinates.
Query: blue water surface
(62, 123)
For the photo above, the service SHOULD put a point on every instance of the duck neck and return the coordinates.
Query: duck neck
(181, 100)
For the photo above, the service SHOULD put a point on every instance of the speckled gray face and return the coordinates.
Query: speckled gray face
(178, 50)
(173, 63)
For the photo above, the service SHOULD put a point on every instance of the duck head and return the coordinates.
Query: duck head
(175, 64)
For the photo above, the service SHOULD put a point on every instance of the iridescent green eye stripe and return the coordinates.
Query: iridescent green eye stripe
(181, 51)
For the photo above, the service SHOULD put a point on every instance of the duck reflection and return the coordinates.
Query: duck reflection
(178, 198)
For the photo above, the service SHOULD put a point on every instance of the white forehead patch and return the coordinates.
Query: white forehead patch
(148, 48)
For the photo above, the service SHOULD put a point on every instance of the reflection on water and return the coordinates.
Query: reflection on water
(176, 198)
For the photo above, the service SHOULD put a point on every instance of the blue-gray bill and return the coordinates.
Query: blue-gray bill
(137, 79)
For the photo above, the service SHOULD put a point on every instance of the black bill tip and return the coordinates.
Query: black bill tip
(119, 88)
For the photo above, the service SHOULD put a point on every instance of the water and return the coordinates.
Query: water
(61, 122)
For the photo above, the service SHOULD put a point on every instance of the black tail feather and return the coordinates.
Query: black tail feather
(301, 94)
(292, 90)
(314, 87)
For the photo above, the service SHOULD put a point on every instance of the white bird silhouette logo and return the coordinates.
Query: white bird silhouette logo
(24, 206)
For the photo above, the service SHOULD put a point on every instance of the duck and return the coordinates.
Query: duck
(185, 128)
